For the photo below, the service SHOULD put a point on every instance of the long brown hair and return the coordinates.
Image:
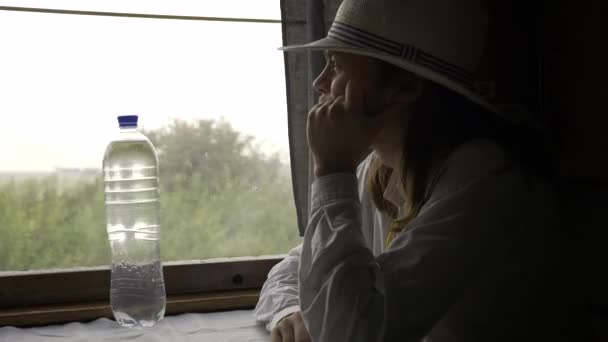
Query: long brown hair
(436, 124)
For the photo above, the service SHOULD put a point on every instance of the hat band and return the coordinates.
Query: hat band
(360, 38)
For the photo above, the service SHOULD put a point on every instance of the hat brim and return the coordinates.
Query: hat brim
(329, 43)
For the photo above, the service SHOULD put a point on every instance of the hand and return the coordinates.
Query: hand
(340, 133)
(290, 329)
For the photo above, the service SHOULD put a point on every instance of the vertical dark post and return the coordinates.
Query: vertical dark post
(315, 19)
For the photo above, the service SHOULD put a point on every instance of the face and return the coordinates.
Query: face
(340, 68)
(380, 93)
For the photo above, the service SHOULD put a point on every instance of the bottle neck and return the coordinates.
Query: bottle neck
(128, 129)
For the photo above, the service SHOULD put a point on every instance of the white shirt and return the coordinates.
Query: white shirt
(472, 266)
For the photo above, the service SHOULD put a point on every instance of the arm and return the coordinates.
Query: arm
(279, 295)
(347, 294)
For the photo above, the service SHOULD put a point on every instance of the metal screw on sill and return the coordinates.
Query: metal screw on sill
(237, 279)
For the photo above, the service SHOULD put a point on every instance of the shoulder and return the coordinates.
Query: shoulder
(483, 171)
(476, 158)
(478, 162)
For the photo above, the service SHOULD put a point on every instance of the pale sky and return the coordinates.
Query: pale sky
(65, 78)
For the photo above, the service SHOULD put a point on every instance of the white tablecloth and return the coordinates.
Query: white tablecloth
(230, 326)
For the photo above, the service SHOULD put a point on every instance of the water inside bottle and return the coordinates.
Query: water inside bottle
(133, 225)
(138, 294)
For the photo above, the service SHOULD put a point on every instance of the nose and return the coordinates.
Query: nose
(322, 84)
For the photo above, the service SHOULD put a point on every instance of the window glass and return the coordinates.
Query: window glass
(210, 95)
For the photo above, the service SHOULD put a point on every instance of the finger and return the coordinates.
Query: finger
(325, 98)
(354, 100)
(287, 332)
(314, 108)
(315, 111)
(322, 101)
(323, 107)
(322, 110)
(275, 335)
(300, 332)
(337, 106)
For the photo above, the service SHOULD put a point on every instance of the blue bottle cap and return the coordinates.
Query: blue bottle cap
(127, 121)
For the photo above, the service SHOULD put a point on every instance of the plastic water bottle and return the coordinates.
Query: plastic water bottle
(130, 168)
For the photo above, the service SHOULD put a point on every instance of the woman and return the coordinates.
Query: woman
(436, 234)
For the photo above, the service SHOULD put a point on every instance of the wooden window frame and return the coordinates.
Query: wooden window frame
(29, 298)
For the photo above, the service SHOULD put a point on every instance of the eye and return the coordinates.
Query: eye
(333, 65)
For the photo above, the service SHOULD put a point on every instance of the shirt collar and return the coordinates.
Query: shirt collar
(394, 191)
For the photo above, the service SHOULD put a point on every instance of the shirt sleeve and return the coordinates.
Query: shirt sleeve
(279, 295)
(347, 294)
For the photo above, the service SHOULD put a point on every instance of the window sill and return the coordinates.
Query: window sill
(63, 313)
(59, 296)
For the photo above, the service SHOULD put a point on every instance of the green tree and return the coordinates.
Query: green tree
(220, 197)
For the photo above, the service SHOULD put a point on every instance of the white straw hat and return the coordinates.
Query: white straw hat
(440, 40)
